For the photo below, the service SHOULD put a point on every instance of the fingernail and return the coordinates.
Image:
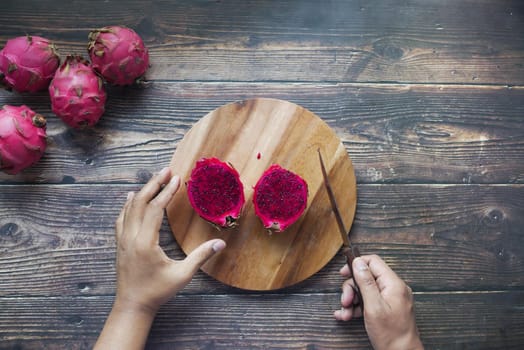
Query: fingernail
(219, 245)
(342, 297)
(129, 195)
(360, 264)
(175, 179)
(164, 171)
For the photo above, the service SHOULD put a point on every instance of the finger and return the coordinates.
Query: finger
(344, 314)
(163, 198)
(356, 298)
(150, 190)
(142, 198)
(154, 213)
(345, 271)
(201, 254)
(383, 274)
(377, 265)
(366, 282)
(348, 293)
(119, 225)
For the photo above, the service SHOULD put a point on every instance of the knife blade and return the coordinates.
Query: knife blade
(349, 250)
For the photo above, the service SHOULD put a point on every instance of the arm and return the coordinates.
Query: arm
(146, 276)
(389, 317)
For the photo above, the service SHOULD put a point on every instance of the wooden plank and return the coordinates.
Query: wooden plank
(59, 239)
(344, 41)
(393, 133)
(294, 321)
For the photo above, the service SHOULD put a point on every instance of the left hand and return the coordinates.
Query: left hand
(146, 276)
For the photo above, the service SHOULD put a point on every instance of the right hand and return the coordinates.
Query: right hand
(388, 313)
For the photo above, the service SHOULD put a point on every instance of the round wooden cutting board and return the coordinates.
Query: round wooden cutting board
(252, 135)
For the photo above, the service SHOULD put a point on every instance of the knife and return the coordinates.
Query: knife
(350, 251)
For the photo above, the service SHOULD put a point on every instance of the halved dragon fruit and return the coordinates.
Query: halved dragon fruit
(22, 138)
(280, 198)
(216, 192)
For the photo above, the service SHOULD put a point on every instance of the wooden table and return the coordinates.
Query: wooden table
(427, 97)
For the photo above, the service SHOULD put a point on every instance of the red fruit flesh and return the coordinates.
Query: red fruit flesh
(118, 54)
(77, 94)
(216, 192)
(22, 138)
(280, 198)
(28, 63)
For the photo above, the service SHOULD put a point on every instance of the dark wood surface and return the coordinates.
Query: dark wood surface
(427, 97)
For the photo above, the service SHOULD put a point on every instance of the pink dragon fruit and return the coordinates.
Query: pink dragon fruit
(77, 93)
(22, 138)
(27, 63)
(280, 198)
(118, 54)
(216, 192)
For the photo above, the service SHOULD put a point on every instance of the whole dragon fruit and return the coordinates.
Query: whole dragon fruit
(22, 138)
(77, 93)
(27, 63)
(118, 54)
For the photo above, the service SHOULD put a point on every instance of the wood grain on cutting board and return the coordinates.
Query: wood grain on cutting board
(282, 133)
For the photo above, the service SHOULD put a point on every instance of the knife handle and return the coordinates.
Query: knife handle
(351, 254)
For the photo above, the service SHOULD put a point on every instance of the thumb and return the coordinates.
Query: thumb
(366, 282)
(202, 253)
